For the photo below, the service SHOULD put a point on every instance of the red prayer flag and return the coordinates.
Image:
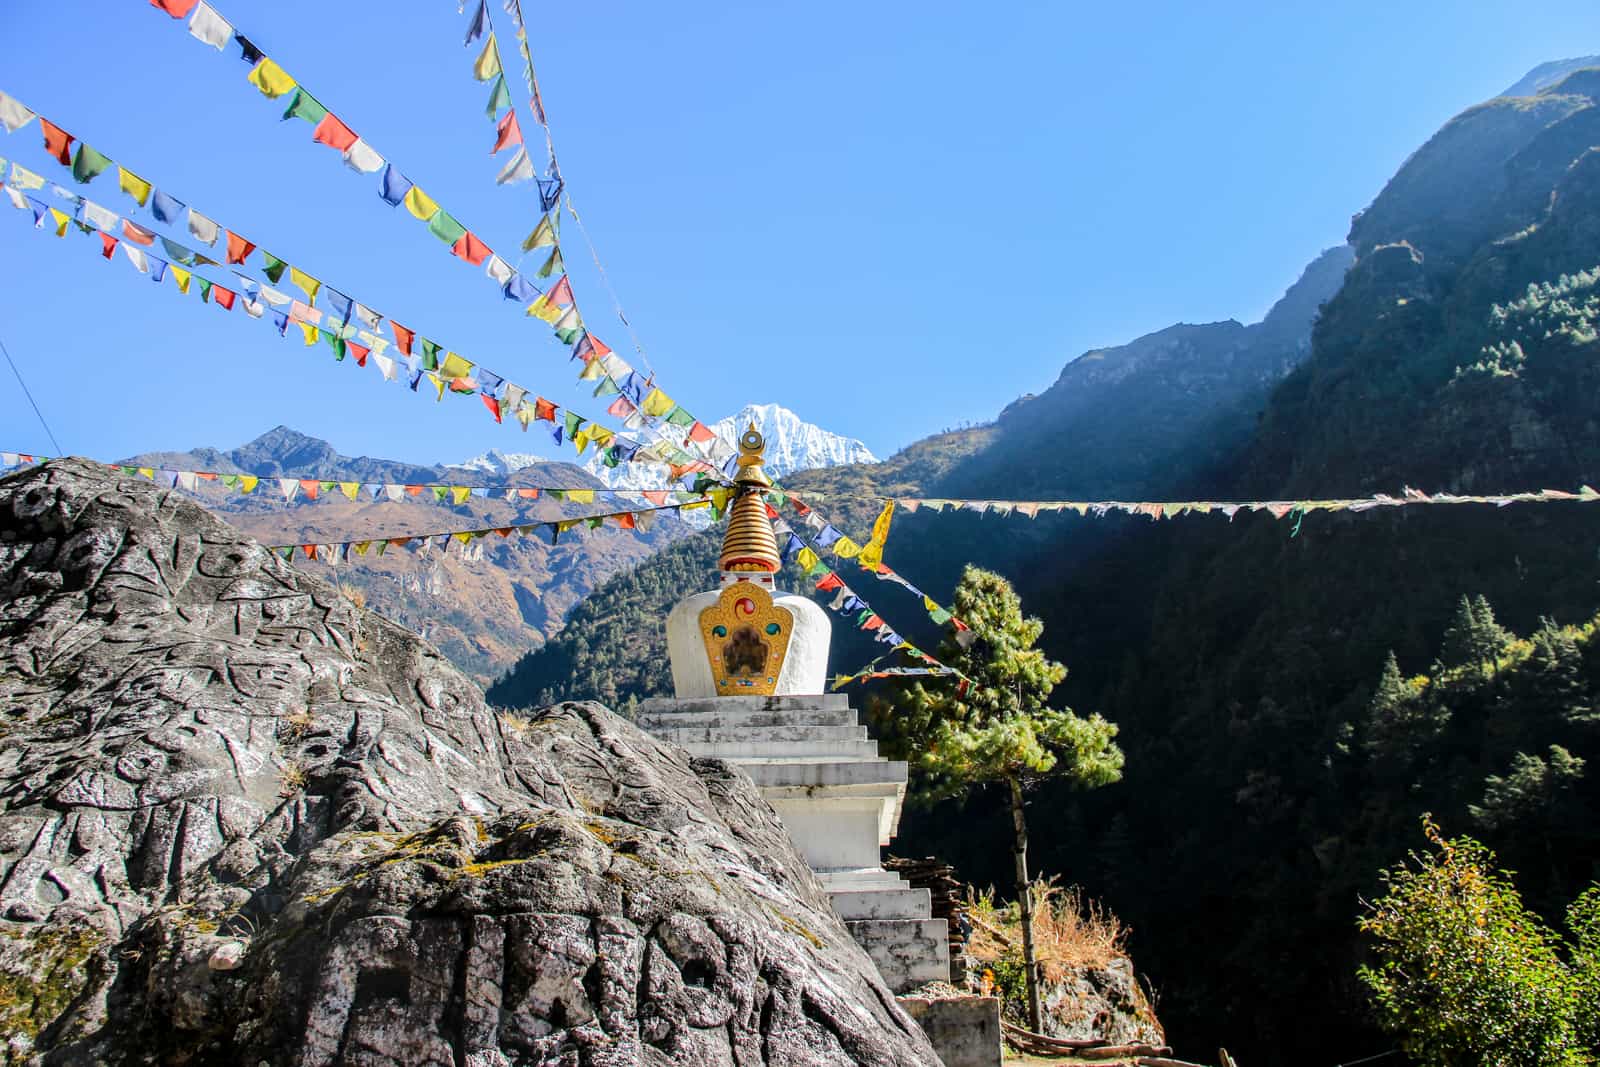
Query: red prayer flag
(872, 623)
(655, 496)
(829, 583)
(108, 244)
(309, 551)
(57, 142)
(528, 494)
(238, 248)
(470, 248)
(625, 520)
(510, 132)
(414, 490)
(333, 133)
(178, 9)
(543, 409)
(700, 432)
(598, 349)
(359, 351)
(310, 487)
(223, 296)
(621, 407)
(402, 336)
(137, 234)
(492, 404)
(561, 293)
(772, 512)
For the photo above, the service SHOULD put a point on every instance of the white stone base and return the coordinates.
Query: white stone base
(805, 665)
(841, 803)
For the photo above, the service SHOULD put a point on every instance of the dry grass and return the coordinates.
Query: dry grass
(355, 595)
(1070, 930)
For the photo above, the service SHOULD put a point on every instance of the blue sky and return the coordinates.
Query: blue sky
(890, 218)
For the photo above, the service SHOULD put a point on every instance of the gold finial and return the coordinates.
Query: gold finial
(751, 446)
(748, 545)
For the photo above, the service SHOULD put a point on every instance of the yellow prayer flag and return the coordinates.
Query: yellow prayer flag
(421, 204)
(464, 536)
(270, 78)
(61, 221)
(581, 439)
(542, 308)
(872, 552)
(591, 371)
(181, 277)
(133, 185)
(248, 483)
(310, 332)
(460, 493)
(438, 383)
(542, 235)
(581, 496)
(806, 559)
(845, 548)
(487, 64)
(350, 489)
(306, 282)
(361, 547)
(455, 367)
(657, 403)
(600, 435)
(148, 472)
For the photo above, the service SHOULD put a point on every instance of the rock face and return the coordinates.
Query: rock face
(243, 821)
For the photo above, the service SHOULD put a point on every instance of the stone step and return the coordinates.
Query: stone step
(784, 751)
(858, 879)
(684, 735)
(808, 774)
(734, 719)
(903, 903)
(908, 952)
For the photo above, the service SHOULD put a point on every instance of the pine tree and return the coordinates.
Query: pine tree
(1556, 686)
(999, 725)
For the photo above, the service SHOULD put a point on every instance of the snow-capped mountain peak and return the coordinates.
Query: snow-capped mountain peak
(792, 445)
(498, 463)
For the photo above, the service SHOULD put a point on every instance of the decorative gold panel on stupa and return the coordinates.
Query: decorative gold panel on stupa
(746, 637)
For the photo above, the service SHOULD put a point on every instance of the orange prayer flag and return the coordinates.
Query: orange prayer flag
(626, 521)
(177, 9)
(544, 409)
(333, 133)
(238, 248)
(137, 234)
(402, 336)
(57, 142)
(108, 244)
(561, 293)
(470, 248)
(310, 487)
(359, 351)
(492, 404)
(655, 496)
(700, 432)
(223, 296)
(510, 132)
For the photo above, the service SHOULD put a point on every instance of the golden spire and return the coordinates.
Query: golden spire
(748, 545)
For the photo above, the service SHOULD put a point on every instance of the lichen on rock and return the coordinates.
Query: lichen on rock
(244, 821)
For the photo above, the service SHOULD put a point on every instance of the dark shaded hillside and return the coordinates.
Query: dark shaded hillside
(1464, 359)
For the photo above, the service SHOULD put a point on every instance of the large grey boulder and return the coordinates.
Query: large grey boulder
(244, 821)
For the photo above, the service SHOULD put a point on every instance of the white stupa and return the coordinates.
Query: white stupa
(749, 673)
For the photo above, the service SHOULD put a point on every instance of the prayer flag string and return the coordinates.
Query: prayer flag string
(556, 305)
(335, 552)
(422, 357)
(290, 489)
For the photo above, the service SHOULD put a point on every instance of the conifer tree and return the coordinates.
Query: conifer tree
(999, 726)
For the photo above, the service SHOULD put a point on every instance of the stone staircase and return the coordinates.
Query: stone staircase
(841, 801)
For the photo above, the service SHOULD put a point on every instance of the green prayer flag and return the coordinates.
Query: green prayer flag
(607, 387)
(205, 290)
(573, 422)
(558, 494)
(939, 617)
(568, 334)
(336, 343)
(613, 456)
(273, 268)
(499, 96)
(679, 417)
(305, 106)
(596, 522)
(444, 226)
(430, 353)
(441, 493)
(553, 264)
(88, 163)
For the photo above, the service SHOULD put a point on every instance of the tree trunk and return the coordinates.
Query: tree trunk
(1030, 964)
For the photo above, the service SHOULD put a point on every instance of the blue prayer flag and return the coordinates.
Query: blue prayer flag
(395, 186)
(165, 208)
